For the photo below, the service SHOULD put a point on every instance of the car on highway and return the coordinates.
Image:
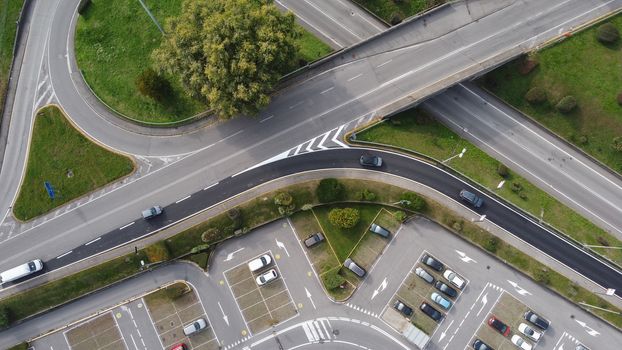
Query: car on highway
(371, 161)
(520, 342)
(259, 263)
(499, 326)
(480, 345)
(181, 346)
(152, 212)
(424, 275)
(21, 271)
(352, 266)
(314, 239)
(536, 319)
(403, 308)
(529, 332)
(430, 311)
(454, 279)
(266, 277)
(195, 327)
(447, 290)
(437, 298)
(431, 262)
(471, 198)
(379, 230)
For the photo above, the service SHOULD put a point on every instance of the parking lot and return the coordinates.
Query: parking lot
(414, 291)
(171, 311)
(100, 333)
(510, 311)
(261, 306)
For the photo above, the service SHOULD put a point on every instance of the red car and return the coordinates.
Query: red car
(499, 326)
(181, 346)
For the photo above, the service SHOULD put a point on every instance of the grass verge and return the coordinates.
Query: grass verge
(579, 66)
(69, 161)
(413, 130)
(9, 14)
(387, 9)
(114, 47)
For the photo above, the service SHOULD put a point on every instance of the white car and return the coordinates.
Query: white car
(529, 332)
(260, 263)
(195, 326)
(266, 277)
(454, 279)
(520, 342)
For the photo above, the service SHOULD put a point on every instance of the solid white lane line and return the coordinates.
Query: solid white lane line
(183, 199)
(339, 23)
(266, 118)
(126, 226)
(60, 256)
(93, 241)
(311, 25)
(354, 77)
(210, 186)
(296, 105)
(327, 90)
(382, 64)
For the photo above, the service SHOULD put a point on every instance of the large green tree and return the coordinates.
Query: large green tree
(229, 52)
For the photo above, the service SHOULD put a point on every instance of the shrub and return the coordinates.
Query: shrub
(400, 215)
(396, 18)
(20, 346)
(283, 198)
(413, 201)
(516, 187)
(457, 226)
(492, 244)
(307, 206)
(566, 104)
(210, 235)
(607, 33)
(329, 190)
(367, 195)
(527, 65)
(153, 85)
(83, 6)
(158, 252)
(602, 241)
(616, 144)
(332, 280)
(582, 140)
(344, 218)
(235, 215)
(503, 170)
(522, 195)
(535, 95)
(542, 275)
(5, 317)
(620, 98)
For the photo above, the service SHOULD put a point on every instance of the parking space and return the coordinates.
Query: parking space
(261, 306)
(372, 245)
(509, 311)
(175, 307)
(100, 333)
(415, 290)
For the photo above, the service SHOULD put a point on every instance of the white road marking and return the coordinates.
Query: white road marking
(183, 199)
(380, 288)
(60, 256)
(126, 226)
(334, 139)
(384, 63)
(354, 77)
(484, 302)
(266, 118)
(327, 90)
(296, 105)
(93, 241)
(339, 23)
(311, 25)
(309, 296)
(210, 186)
(321, 144)
(282, 246)
(518, 288)
(588, 329)
(224, 316)
(464, 257)
(230, 255)
(444, 333)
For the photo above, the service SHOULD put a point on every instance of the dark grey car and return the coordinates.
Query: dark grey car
(447, 290)
(471, 198)
(352, 266)
(430, 311)
(377, 229)
(314, 239)
(536, 320)
(369, 160)
(431, 262)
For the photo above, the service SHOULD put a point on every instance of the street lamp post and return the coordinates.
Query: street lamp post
(459, 155)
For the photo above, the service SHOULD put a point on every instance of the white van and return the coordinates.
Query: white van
(21, 271)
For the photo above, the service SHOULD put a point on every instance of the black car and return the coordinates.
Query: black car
(369, 160)
(536, 320)
(471, 198)
(480, 345)
(431, 262)
(430, 311)
(403, 308)
(447, 290)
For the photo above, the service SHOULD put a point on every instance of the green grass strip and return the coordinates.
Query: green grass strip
(9, 14)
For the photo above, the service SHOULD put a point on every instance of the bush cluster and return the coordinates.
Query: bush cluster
(567, 104)
(535, 95)
(619, 98)
(367, 195)
(503, 170)
(607, 33)
(153, 85)
(492, 244)
(396, 18)
(616, 144)
(285, 203)
(158, 252)
(332, 280)
(344, 218)
(4, 317)
(329, 190)
(413, 201)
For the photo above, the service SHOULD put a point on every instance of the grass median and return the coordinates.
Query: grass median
(9, 14)
(414, 130)
(580, 66)
(70, 162)
(114, 41)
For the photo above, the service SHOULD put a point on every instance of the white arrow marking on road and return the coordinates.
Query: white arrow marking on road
(519, 290)
(230, 255)
(464, 257)
(309, 296)
(224, 317)
(484, 302)
(380, 288)
(445, 331)
(282, 246)
(590, 330)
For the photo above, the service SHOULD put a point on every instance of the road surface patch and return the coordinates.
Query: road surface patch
(99, 333)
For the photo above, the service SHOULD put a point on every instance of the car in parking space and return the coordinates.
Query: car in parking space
(181, 346)
(454, 279)
(379, 230)
(529, 332)
(195, 327)
(499, 326)
(403, 308)
(520, 342)
(581, 347)
(266, 277)
(424, 275)
(437, 298)
(371, 160)
(260, 263)
(431, 262)
(480, 345)
(536, 319)
(352, 266)
(314, 239)
(471, 198)
(447, 290)
(430, 311)
(152, 212)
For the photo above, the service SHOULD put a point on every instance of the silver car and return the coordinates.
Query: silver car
(424, 275)
(352, 266)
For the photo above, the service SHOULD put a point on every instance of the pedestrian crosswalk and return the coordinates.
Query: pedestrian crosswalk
(360, 309)
(318, 330)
